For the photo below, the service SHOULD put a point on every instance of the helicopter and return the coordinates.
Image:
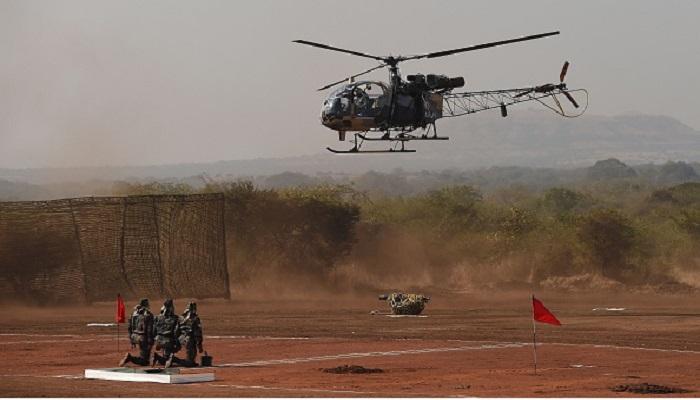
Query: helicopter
(393, 111)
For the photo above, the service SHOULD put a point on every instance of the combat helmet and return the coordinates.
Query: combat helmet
(168, 307)
(191, 308)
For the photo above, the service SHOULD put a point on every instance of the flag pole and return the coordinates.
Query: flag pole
(534, 332)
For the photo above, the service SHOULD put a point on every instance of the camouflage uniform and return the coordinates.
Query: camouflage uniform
(191, 338)
(406, 303)
(140, 334)
(166, 329)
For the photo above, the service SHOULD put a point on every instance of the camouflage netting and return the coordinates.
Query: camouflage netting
(90, 249)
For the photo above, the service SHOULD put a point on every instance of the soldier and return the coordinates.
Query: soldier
(191, 338)
(166, 329)
(140, 334)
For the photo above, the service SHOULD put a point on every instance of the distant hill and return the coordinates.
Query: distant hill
(539, 139)
(14, 191)
(525, 138)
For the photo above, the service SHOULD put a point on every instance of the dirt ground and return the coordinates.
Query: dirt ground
(464, 345)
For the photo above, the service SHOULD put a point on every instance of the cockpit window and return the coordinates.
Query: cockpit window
(361, 99)
(373, 90)
(367, 99)
(337, 92)
(344, 105)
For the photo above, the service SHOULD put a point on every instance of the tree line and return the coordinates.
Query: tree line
(595, 235)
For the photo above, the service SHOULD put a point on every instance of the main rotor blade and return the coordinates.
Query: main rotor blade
(327, 47)
(564, 69)
(352, 77)
(480, 46)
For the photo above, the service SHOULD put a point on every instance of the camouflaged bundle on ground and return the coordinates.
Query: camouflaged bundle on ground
(406, 303)
(90, 249)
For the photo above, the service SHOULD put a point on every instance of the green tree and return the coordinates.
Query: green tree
(562, 201)
(453, 209)
(122, 188)
(611, 168)
(297, 231)
(689, 221)
(516, 225)
(610, 239)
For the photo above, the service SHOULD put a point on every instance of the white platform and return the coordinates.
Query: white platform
(137, 375)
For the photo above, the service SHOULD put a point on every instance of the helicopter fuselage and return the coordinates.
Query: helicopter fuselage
(377, 106)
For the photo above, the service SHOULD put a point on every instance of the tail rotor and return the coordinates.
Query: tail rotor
(552, 88)
(563, 72)
(562, 76)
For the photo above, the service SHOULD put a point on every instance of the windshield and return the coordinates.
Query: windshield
(358, 98)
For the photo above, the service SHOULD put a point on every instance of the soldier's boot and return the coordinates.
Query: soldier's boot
(184, 362)
(154, 359)
(125, 360)
(191, 357)
(140, 361)
(169, 361)
(191, 362)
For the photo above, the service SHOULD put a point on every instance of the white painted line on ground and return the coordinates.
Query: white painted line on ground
(260, 387)
(112, 335)
(611, 346)
(371, 354)
(41, 376)
(502, 345)
(36, 334)
(602, 346)
(68, 376)
(70, 338)
(255, 337)
(107, 337)
(497, 345)
(52, 341)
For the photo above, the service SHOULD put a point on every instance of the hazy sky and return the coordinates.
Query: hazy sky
(151, 82)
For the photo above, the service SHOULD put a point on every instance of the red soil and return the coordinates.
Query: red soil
(464, 347)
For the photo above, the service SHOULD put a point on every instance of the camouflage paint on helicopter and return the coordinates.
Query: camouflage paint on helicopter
(405, 303)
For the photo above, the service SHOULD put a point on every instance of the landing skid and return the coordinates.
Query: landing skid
(401, 138)
(355, 150)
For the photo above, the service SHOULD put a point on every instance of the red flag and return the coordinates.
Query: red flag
(540, 313)
(121, 313)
